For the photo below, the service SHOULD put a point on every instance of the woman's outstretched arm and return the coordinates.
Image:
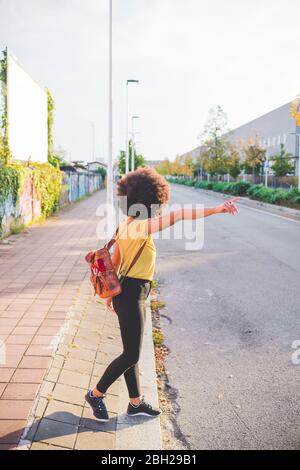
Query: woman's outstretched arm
(157, 224)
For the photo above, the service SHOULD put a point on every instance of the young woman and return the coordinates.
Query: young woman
(145, 192)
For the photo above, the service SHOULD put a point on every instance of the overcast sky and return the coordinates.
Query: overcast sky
(189, 55)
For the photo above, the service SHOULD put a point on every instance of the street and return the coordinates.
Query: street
(231, 318)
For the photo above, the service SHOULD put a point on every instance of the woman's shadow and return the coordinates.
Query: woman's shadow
(62, 424)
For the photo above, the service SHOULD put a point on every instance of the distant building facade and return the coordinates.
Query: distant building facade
(270, 131)
(153, 163)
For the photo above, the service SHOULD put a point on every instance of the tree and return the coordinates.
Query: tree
(139, 160)
(282, 163)
(187, 165)
(215, 157)
(164, 168)
(102, 171)
(233, 163)
(255, 156)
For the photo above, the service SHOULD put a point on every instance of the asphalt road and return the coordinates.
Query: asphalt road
(233, 312)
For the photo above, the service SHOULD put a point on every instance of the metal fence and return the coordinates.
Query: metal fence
(284, 182)
(76, 185)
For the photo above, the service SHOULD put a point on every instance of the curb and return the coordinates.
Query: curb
(145, 432)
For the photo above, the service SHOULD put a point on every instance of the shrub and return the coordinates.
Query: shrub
(240, 188)
(235, 188)
(296, 200)
(204, 184)
(190, 183)
(245, 188)
(219, 187)
(260, 192)
(278, 196)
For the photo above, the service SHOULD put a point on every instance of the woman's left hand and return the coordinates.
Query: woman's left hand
(229, 207)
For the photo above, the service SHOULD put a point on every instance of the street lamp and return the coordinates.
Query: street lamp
(93, 140)
(109, 196)
(297, 137)
(132, 141)
(127, 117)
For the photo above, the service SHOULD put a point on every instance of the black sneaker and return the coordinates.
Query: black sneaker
(98, 407)
(143, 409)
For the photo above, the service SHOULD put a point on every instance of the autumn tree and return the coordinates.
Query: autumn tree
(233, 163)
(255, 156)
(165, 167)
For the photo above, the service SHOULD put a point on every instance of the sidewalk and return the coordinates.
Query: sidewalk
(58, 340)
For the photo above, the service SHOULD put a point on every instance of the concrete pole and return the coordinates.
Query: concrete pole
(298, 154)
(127, 140)
(110, 131)
(266, 168)
(127, 156)
(132, 146)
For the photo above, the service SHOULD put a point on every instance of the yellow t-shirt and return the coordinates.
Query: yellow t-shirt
(131, 236)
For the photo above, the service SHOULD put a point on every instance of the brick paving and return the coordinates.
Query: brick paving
(59, 340)
(42, 276)
(60, 418)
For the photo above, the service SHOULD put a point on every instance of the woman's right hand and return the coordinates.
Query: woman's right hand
(109, 305)
(229, 207)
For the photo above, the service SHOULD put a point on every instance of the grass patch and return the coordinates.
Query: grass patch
(157, 304)
(158, 337)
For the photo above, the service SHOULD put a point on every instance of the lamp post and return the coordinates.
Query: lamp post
(132, 141)
(93, 140)
(109, 199)
(127, 117)
(297, 153)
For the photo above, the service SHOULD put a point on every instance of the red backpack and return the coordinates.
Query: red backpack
(103, 277)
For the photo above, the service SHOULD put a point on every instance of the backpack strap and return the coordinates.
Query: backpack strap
(112, 241)
(135, 259)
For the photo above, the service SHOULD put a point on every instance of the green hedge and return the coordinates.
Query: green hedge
(258, 192)
(275, 196)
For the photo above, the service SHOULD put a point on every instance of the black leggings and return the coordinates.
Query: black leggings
(131, 311)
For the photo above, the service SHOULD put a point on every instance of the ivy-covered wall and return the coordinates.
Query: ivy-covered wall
(30, 192)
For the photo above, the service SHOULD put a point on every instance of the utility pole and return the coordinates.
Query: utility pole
(127, 118)
(93, 140)
(109, 199)
(133, 143)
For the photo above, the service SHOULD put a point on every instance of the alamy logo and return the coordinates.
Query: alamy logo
(296, 353)
(2, 353)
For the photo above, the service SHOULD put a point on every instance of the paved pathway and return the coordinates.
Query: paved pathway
(58, 340)
(39, 277)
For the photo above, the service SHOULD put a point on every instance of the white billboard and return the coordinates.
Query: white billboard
(27, 115)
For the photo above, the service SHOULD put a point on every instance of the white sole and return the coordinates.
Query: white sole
(142, 414)
(98, 419)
